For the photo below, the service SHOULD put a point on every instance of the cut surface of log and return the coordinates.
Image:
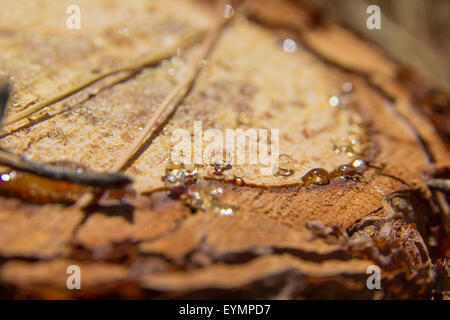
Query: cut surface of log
(335, 99)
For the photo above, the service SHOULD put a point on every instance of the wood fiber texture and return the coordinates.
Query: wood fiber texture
(283, 240)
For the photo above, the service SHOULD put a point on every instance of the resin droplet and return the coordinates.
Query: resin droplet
(238, 177)
(190, 177)
(5, 177)
(222, 208)
(174, 165)
(174, 174)
(344, 171)
(333, 101)
(200, 200)
(190, 174)
(347, 87)
(346, 149)
(205, 201)
(219, 165)
(286, 165)
(178, 175)
(316, 176)
(226, 211)
(359, 163)
(289, 45)
(217, 191)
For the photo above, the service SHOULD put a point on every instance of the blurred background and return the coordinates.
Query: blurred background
(414, 32)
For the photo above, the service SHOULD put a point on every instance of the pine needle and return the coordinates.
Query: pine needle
(175, 96)
(173, 99)
(132, 67)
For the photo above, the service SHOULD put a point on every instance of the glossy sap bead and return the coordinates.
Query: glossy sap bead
(316, 176)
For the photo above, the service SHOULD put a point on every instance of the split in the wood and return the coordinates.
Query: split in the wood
(29, 172)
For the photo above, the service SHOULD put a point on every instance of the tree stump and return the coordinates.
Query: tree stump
(336, 99)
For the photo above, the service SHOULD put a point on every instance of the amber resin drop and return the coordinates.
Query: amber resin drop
(174, 165)
(174, 174)
(316, 176)
(238, 181)
(220, 165)
(178, 175)
(359, 163)
(343, 171)
(286, 165)
(238, 177)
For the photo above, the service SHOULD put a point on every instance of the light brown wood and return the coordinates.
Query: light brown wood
(283, 240)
